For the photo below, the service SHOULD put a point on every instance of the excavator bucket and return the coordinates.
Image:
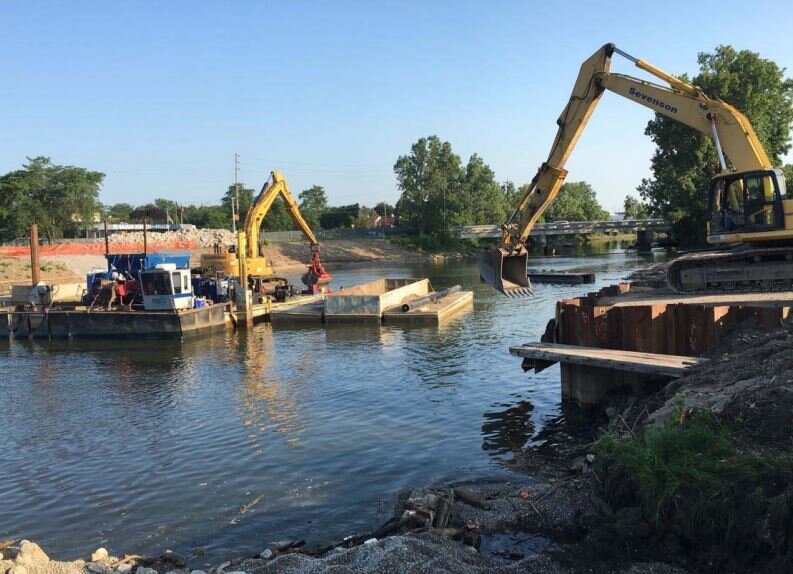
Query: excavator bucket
(505, 272)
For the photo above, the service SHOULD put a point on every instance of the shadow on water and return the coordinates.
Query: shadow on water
(508, 430)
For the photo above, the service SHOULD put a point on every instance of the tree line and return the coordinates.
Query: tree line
(64, 202)
(439, 192)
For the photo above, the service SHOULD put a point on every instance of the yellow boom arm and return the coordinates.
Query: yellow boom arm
(272, 188)
(730, 129)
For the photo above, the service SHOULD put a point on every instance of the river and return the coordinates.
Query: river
(232, 441)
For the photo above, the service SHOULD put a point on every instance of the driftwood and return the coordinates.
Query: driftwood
(443, 510)
(471, 499)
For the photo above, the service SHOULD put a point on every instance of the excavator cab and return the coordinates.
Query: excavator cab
(745, 202)
(506, 271)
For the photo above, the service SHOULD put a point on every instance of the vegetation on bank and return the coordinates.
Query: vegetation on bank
(437, 243)
(727, 506)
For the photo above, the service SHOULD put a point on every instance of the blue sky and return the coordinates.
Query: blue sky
(160, 95)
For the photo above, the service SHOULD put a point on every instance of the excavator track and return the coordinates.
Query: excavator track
(745, 269)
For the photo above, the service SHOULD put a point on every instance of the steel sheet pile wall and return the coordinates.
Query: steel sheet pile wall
(674, 328)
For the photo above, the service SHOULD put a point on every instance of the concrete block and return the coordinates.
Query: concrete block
(370, 300)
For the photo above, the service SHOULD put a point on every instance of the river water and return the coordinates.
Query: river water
(232, 441)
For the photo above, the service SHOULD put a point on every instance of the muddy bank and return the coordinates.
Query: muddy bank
(72, 267)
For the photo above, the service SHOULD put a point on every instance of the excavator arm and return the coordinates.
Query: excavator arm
(505, 267)
(273, 187)
(253, 263)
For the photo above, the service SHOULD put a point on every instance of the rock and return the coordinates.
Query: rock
(143, 570)
(176, 559)
(18, 569)
(370, 541)
(197, 572)
(124, 568)
(31, 554)
(1, 555)
(97, 568)
(100, 554)
(265, 555)
(611, 412)
(237, 572)
(578, 465)
(590, 458)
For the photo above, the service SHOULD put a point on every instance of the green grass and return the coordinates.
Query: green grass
(690, 479)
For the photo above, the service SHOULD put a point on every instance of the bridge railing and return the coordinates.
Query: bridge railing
(568, 228)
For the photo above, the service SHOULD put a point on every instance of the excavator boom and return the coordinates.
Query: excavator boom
(504, 267)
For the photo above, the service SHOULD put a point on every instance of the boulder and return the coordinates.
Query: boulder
(100, 554)
(31, 554)
(18, 569)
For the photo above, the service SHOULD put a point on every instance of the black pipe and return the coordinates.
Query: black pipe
(430, 298)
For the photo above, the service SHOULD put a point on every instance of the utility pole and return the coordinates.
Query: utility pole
(236, 215)
(385, 216)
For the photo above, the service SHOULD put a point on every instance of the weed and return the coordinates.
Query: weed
(690, 479)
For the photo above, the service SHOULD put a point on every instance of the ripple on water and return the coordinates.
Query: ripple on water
(234, 440)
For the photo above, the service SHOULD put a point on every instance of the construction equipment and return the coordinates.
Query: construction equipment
(746, 201)
(247, 257)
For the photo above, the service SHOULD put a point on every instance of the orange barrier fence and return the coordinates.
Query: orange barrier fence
(94, 248)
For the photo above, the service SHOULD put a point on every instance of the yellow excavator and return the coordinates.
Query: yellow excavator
(749, 214)
(253, 265)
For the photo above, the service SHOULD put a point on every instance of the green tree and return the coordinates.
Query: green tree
(119, 211)
(171, 209)
(313, 203)
(62, 200)
(685, 159)
(246, 199)
(430, 180)
(278, 218)
(384, 209)
(150, 212)
(483, 199)
(635, 209)
(339, 217)
(207, 216)
(511, 194)
(576, 202)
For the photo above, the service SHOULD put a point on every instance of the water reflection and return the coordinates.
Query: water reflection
(508, 430)
(272, 400)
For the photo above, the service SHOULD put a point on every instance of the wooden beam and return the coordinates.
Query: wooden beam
(632, 361)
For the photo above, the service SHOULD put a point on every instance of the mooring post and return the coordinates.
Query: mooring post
(35, 269)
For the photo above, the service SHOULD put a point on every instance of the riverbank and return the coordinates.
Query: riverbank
(63, 266)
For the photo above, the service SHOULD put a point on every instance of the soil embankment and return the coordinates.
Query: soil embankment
(69, 262)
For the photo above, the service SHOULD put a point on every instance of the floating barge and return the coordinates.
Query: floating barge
(80, 323)
(375, 302)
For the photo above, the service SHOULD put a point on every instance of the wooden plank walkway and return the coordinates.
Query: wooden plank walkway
(646, 363)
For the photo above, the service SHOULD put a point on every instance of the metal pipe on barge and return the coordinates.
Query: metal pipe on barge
(430, 298)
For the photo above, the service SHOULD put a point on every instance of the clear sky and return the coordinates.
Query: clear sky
(160, 95)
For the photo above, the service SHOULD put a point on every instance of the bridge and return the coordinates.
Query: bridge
(638, 226)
